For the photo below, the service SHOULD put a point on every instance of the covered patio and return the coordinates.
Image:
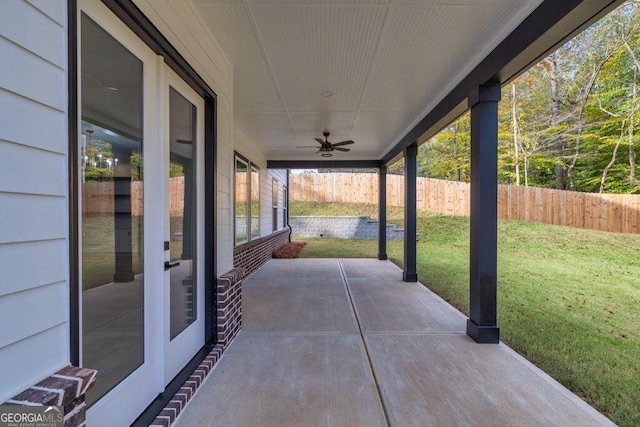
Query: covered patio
(348, 342)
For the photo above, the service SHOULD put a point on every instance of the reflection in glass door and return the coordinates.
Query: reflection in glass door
(112, 208)
(182, 213)
(183, 219)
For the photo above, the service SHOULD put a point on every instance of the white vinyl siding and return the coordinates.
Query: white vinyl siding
(31, 359)
(44, 300)
(34, 255)
(267, 199)
(18, 262)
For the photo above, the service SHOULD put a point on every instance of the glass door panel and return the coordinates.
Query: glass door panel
(183, 219)
(182, 213)
(112, 208)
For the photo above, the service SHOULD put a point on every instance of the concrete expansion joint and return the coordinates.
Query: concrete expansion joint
(345, 281)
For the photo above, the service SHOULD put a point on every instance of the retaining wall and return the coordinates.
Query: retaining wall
(341, 227)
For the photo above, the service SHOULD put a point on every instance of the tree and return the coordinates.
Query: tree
(566, 122)
(447, 155)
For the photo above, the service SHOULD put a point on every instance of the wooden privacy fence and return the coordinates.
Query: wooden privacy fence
(97, 197)
(241, 187)
(619, 213)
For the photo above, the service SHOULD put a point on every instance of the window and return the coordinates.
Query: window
(241, 201)
(285, 207)
(274, 203)
(247, 201)
(255, 202)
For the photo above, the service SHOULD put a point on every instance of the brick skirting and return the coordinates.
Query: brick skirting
(66, 388)
(170, 412)
(229, 315)
(229, 309)
(252, 255)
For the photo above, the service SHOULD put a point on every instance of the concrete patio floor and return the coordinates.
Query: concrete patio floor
(328, 342)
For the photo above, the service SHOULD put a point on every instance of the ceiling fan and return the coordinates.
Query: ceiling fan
(326, 148)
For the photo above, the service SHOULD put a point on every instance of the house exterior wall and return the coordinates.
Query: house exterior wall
(180, 23)
(185, 29)
(34, 229)
(266, 208)
(247, 149)
(34, 180)
(251, 255)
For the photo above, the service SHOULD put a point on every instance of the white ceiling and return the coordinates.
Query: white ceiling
(387, 62)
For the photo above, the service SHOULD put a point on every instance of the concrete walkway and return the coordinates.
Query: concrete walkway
(329, 342)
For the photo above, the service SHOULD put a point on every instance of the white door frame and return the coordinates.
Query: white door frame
(163, 358)
(182, 348)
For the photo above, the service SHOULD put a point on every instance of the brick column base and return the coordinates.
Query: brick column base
(66, 388)
(229, 309)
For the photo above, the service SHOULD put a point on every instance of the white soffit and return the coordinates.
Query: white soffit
(387, 63)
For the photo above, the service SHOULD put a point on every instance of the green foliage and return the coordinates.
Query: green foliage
(98, 174)
(447, 155)
(98, 253)
(297, 208)
(175, 170)
(577, 115)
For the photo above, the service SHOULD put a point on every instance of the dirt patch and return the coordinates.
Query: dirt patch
(289, 250)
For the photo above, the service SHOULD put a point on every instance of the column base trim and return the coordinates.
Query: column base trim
(410, 277)
(483, 334)
(382, 257)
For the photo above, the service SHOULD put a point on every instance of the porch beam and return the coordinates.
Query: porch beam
(382, 213)
(410, 273)
(322, 164)
(546, 28)
(482, 324)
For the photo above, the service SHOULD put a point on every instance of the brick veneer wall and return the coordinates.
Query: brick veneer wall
(66, 388)
(229, 315)
(229, 310)
(252, 255)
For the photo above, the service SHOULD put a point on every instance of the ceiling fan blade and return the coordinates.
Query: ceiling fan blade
(341, 149)
(307, 146)
(337, 144)
(184, 141)
(320, 141)
(319, 151)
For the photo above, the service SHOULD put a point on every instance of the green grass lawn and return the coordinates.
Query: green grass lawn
(98, 248)
(568, 299)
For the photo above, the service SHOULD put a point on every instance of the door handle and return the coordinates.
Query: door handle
(170, 264)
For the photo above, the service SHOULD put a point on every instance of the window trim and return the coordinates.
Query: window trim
(251, 167)
(285, 206)
(240, 158)
(275, 190)
(254, 168)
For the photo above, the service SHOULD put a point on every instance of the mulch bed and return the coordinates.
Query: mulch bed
(289, 250)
